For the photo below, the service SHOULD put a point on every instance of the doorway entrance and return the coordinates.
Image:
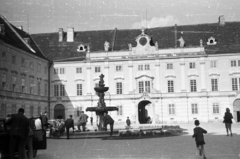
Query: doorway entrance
(143, 113)
(59, 111)
(236, 109)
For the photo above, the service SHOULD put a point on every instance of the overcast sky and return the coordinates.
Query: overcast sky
(42, 16)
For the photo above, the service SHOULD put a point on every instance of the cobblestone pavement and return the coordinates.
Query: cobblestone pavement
(218, 146)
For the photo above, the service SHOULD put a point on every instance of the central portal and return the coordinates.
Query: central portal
(143, 113)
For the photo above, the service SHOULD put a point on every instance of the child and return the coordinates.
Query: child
(198, 135)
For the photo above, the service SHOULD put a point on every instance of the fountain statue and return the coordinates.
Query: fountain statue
(101, 105)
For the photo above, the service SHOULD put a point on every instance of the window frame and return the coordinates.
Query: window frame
(192, 65)
(78, 70)
(193, 85)
(170, 85)
(79, 88)
(119, 88)
(194, 108)
(171, 109)
(216, 108)
(214, 84)
(169, 66)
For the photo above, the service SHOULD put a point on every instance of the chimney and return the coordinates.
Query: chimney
(221, 20)
(60, 33)
(20, 27)
(70, 34)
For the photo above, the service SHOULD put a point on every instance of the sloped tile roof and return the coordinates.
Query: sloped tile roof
(227, 37)
(14, 36)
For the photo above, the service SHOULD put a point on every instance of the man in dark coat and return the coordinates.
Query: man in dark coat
(82, 121)
(228, 120)
(45, 120)
(108, 120)
(19, 129)
(69, 123)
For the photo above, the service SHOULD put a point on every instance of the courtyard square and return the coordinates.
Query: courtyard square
(218, 146)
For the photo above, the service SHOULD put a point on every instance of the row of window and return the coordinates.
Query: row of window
(22, 87)
(194, 109)
(13, 110)
(192, 65)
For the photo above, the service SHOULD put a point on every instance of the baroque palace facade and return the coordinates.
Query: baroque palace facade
(172, 74)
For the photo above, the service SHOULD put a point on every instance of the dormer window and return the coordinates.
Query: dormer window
(212, 41)
(2, 29)
(27, 40)
(81, 48)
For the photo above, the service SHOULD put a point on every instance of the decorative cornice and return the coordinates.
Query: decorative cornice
(54, 81)
(214, 74)
(119, 78)
(23, 74)
(170, 76)
(193, 75)
(77, 80)
(182, 64)
(234, 73)
(31, 76)
(14, 72)
(144, 76)
(4, 69)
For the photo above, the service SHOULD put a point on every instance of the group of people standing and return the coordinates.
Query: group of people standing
(21, 134)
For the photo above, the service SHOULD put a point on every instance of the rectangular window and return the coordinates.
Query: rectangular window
(97, 69)
(140, 87)
(39, 110)
(31, 89)
(45, 69)
(13, 59)
(215, 108)
(39, 88)
(31, 65)
(192, 65)
(62, 71)
(194, 109)
(23, 85)
(171, 108)
(119, 87)
(147, 67)
(169, 66)
(118, 68)
(3, 110)
(23, 62)
(14, 81)
(193, 86)
(170, 86)
(56, 90)
(119, 112)
(55, 71)
(4, 56)
(140, 67)
(79, 70)
(147, 86)
(31, 111)
(213, 64)
(46, 89)
(39, 68)
(233, 63)
(62, 90)
(4, 79)
(14, 109)
(79, 89)
(234, 84)
(214, 83)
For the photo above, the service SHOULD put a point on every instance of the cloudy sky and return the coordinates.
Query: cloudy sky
(42, 16)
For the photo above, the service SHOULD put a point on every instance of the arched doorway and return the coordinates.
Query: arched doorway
(143, 112)
(59, 111)
(236, 109)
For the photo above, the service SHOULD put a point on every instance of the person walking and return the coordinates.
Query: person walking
(108, 120)
(69, 123)
(82, 121)
(228, 121)
(45, 120)
(91, 120)
(19, 130)
(199, 138)
(128, 122)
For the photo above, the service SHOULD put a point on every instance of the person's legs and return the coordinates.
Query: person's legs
(203, 151)
(21, 148)
(67, 129)
(79, 125)
(111, 128)
(30, 147)
(226, 125)
(230, 128)
(84, 126)
(12, 146)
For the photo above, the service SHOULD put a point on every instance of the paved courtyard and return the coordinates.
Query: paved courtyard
(218, 146)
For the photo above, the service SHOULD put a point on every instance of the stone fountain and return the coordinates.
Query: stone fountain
(101, 105)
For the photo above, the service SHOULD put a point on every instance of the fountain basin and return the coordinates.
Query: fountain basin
(101, 89)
